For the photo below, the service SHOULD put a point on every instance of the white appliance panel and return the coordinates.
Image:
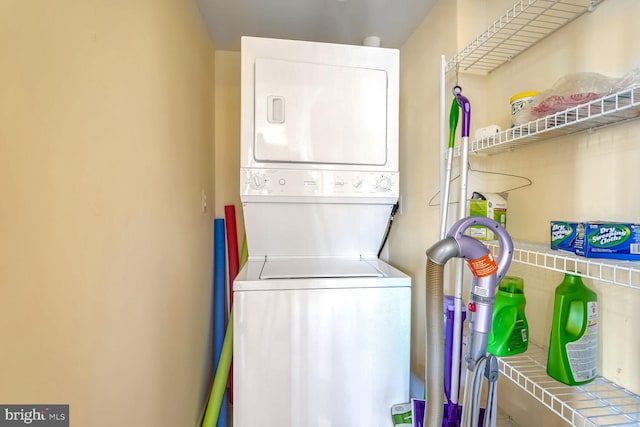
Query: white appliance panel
(315, 229)
(321, 357)
(319, 113)
(361, 270)
(261, 185)
(300, 268)
(318, 105)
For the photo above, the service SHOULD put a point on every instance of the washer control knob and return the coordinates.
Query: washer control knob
(383, 183)
(257, 181)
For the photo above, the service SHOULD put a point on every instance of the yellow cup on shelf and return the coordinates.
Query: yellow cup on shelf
(519, 102)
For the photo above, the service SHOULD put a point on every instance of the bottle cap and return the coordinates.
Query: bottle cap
(512, 285)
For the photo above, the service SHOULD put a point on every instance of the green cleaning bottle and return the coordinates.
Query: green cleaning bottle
(573, 346)
(509, 328)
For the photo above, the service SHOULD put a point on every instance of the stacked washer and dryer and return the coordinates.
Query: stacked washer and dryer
(321, 325)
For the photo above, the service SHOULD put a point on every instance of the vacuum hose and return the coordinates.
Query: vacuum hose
(437, 257)
(435, 343)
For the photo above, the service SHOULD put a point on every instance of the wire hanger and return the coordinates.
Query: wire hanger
(523, 182)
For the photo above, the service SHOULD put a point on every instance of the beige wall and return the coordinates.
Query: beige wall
(415, 229)
(588, 176)
(227, 136)
(105, 261)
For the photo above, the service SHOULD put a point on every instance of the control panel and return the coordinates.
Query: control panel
(318, 183)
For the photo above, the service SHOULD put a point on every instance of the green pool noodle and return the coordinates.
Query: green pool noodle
(220, 380)
(245, 252)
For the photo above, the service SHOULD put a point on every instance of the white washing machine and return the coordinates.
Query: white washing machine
(321, 325)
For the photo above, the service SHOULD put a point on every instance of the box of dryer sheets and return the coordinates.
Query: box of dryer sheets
(492, 206)
(611, 240)
(563, 235)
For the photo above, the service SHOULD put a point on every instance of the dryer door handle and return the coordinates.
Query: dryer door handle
(275, 109)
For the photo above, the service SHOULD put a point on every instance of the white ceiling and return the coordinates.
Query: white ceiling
(333, 21)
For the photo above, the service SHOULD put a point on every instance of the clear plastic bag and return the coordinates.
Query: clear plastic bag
(575, 89)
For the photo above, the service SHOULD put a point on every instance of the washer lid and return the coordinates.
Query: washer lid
(303, 268)
(315, 230)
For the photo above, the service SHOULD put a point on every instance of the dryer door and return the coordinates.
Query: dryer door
(317, 113)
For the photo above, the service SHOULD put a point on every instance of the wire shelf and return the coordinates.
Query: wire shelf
(622, 273)
(607, 110)
(525, 24)
(599, 403)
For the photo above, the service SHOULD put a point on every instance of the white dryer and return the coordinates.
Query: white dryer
(321, 325)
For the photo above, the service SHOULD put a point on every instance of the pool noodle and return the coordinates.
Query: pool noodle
(219, 307)
(232, 246)
(232, 253)
(218, 391)
(244, 255)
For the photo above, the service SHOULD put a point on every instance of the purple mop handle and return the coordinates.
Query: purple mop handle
(464, 103)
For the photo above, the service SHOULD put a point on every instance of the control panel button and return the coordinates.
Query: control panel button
(257, 181)
(383, 183)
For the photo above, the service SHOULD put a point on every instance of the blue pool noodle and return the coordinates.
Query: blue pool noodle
(219, 306)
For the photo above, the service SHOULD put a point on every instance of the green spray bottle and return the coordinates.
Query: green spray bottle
(509, 328)
(573, 346)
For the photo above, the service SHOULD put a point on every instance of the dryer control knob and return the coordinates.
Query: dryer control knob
(383, 183)
(257, 181)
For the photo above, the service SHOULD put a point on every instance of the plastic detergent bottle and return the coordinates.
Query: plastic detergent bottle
(573, 347)
(509, 328)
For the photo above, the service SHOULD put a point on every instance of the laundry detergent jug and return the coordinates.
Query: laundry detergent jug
(509, 333)
(573, 346)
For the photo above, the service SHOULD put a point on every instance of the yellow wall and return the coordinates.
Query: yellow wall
(227, 136)
(105, 261)
(588, 176)
(415, 229)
